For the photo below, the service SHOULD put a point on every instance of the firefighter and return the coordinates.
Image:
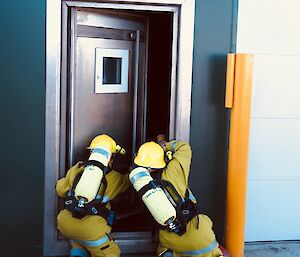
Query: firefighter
(160, 176)
(87, 218)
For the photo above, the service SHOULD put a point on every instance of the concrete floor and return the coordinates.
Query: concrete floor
(273, 249)
(263, 249)
(260, 249)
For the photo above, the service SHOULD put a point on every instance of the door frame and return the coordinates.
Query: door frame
(180, 102)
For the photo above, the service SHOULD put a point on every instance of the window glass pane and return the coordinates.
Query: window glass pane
(112, 69)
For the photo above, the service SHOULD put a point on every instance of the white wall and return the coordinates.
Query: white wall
(270, 29)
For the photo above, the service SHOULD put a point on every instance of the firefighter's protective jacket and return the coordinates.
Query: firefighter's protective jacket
(194, 240)
(90, 227)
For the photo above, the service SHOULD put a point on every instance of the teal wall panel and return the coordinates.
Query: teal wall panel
(22, 91)
(215, 30)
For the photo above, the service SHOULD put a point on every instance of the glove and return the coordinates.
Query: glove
(161, 140)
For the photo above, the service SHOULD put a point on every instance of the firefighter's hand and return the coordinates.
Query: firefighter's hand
(161, 140)
(74, 171)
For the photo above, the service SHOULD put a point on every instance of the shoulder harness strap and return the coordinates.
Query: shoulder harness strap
(101, 166)
(95, 207)
(186, 210)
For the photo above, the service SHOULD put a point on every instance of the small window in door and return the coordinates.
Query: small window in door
(111, 70)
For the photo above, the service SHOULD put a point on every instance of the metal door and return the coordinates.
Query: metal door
(107, 82)
(107, 93)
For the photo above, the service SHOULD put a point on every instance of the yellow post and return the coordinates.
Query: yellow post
(238, 97)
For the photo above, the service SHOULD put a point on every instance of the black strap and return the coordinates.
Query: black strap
(179, 201)
(75, 181)
(184, 215)
(95, 207)
(98, 164)
(101, 210)
(187, 193)
(102, 186)
(92, 208)
(186, 210)
(194, 206)
(151, 185)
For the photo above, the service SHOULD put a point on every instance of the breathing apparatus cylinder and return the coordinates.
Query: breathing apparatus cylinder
(89, 183)
(154, 198)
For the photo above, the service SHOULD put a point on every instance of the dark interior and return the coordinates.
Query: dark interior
(132, 215)
(159, 74)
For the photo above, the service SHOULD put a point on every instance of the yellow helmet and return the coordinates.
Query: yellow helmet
(150, 155)
(104, 141)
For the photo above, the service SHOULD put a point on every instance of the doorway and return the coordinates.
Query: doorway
(119, 84)
(99, 44)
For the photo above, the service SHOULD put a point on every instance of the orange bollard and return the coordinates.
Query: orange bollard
(238, 98)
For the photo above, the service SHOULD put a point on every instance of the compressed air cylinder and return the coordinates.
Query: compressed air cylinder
(155, 199)
(88, 185)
